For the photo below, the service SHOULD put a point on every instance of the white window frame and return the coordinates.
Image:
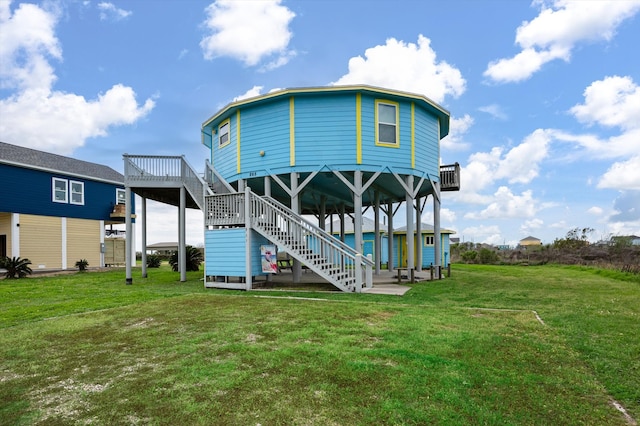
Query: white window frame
(429, 240)
(72, 193)
(224, 129)
(124, 196)
(54, 189)
(379, 122)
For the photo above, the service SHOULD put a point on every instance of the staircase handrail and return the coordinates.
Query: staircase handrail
(316, 230)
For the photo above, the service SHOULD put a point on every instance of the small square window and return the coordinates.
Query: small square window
(223, 134)
(77, 192)
(120, 196)
(59, 190)
(428, 240)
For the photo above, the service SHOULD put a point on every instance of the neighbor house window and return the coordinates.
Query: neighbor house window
(120, 196)
(60, 190)
(428, 240)
(77, 192)
(387, 123)
(223, 134)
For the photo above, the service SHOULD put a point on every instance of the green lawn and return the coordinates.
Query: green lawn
(87, 349)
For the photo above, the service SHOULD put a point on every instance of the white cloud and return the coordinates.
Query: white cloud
(110, 11)
(483, 234)
(254, 91)
(408, 67)
(555, 32)
(457, 128)
(506, 204)
(613, 102)
(530, 225)
(595, 210)
(29, 42)
(622, 175)
(495, 111)
(249, 30)
(447, 216)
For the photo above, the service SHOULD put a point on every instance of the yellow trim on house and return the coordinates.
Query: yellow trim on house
(358, 128)
(220, 126)
(397, 123)
(238, 166)
(292, 132)
(413, 135)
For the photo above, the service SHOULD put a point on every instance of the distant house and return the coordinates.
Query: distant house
(427, 241)
(163, 249)
(56, 210)
(633, 239)
(368, 237)
(530, 241)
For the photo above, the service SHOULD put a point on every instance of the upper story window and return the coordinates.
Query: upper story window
(120, 196)
(67, 191)
(77, 192)
(223, 134)
(60, 190)
(387, 133)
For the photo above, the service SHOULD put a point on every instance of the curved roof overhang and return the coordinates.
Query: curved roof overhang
(422, 101)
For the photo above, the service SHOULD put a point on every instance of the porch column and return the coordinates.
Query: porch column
(410, 232)
(182, 249)
(390, 235)
(436, 229)
(267, 192)
(295, 206)
(128, 234)
(376, 229)
(143, 225)
(322, 217)
(357, 210)
(418, 234)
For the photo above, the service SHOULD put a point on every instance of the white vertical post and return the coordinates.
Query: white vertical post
(418, 235)
(182, 247)
(295, 206)
(357, 210)
(247, 227)
(102, 229)
(368, 275)
(128, 233)
(410, 232)
(143, 225)
(436, 229)
(358, 272)
(390, 235)
(377, 249)
(15, 235)
(63, 234)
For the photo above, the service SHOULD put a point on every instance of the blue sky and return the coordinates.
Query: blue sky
(544, 96)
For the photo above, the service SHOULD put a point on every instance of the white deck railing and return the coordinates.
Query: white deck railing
(149, 169)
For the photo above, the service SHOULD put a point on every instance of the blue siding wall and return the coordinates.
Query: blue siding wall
(426, 137)
(427, 250)
(325, 134)
(325, 130)
(369, 240)
(31, 193)
(225, 252)
(373, 154)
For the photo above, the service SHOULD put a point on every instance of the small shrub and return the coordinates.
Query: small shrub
(16, 267)
(488, 256)
(194, 259)
(82, 265)
(154, 261)
(469, 256)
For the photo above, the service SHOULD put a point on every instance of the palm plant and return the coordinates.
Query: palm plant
(15, 267)
(154, 261)
(194, 259)
(82, 265)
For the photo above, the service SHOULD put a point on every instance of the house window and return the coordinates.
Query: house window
(77, 192)
(428, 240)
(387, 123)
(120, 196)
(223, 134)
(60, 190)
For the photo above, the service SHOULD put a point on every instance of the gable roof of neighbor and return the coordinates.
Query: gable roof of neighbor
(425, 228)
(40, 160)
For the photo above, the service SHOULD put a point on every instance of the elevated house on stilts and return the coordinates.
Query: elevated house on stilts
(278, 159)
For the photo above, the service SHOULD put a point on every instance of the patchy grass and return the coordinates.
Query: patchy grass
(85, 348)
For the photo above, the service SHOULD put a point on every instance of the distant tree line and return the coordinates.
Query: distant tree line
(574, 249)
